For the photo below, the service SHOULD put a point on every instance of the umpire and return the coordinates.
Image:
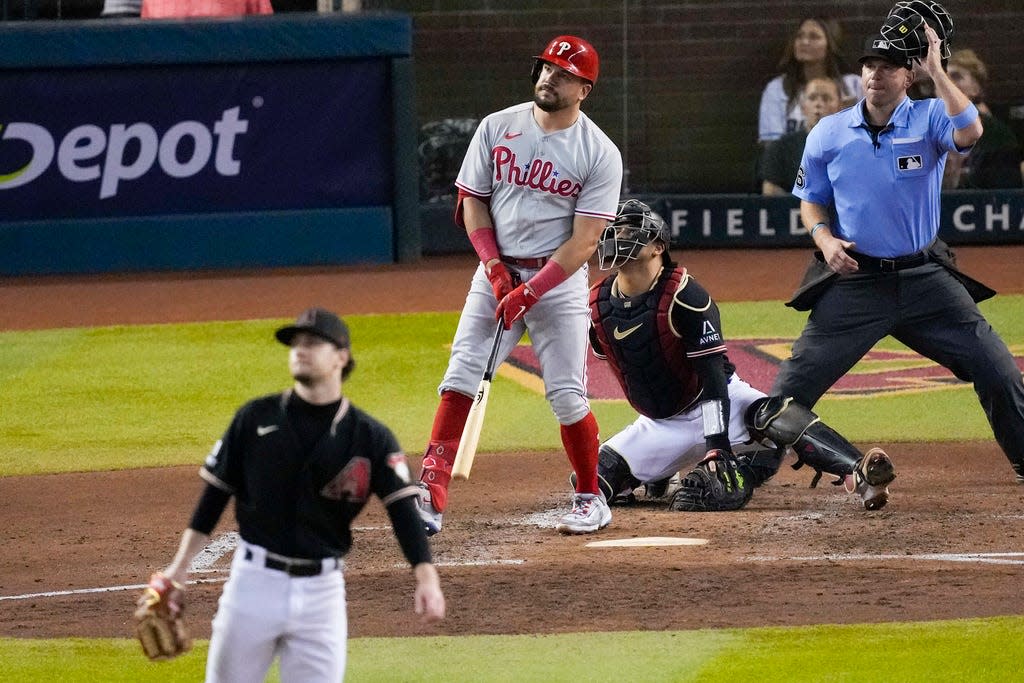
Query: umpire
(880, 269)
(301, 465)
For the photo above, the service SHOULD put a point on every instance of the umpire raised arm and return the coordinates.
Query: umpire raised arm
(869, 185)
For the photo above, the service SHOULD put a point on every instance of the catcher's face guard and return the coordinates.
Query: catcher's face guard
(904, 27)
(635, 226)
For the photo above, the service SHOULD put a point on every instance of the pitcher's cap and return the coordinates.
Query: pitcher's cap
(320, 322)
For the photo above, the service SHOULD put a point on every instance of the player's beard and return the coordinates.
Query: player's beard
(555, 103)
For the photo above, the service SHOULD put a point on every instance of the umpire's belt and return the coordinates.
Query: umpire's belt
(873, 264)
(295, 566)
(525, 262)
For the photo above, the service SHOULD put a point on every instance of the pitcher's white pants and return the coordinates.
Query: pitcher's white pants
(264, 613)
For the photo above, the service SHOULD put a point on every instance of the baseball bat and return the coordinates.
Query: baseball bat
(475, 420)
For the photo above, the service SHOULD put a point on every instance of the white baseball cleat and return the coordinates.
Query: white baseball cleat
(589, 513)
(431, 517)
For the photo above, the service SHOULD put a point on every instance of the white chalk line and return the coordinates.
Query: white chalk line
(983, 558)
(203, 563)
(104, 589)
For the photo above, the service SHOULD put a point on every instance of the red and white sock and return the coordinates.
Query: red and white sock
(449, 420)
(581, 441)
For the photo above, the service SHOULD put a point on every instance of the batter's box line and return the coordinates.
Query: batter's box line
(104, 589)
(983, 558)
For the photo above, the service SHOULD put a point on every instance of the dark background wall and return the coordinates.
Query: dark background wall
(680, 82)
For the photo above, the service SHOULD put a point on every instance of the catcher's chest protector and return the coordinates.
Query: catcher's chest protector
(649, 360)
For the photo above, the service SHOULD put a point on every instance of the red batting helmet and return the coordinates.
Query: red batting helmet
(573, 54)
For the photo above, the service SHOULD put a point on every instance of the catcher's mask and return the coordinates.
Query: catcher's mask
(904, 27)
(635, 226)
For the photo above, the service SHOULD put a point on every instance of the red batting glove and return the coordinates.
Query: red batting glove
(515, 305)
(500, 279)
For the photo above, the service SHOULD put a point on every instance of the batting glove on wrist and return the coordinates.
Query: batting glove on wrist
(515, 305)
(501, 280)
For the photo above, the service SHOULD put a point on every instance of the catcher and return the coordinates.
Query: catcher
(661, 334)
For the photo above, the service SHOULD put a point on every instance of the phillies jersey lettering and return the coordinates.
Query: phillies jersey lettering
(539, 175)
(535, 183)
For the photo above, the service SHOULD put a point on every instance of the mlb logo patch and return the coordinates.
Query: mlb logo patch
(909, 163)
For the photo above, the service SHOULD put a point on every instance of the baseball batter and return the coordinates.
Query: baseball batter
(538, 184)
(301, 465)
(661, 333)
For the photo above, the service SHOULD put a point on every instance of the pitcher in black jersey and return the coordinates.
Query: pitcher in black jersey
(661, 333)
(301, 465)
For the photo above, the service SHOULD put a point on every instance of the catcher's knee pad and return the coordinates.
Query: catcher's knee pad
(787, 423)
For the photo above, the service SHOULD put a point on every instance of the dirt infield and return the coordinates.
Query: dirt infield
(948, 545)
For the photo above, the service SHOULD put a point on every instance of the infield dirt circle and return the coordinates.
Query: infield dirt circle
(948, 545)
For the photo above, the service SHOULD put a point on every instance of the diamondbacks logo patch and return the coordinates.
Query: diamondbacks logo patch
(909, 163)
(352, 483)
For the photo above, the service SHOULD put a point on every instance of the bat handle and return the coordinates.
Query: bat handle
(489, 370)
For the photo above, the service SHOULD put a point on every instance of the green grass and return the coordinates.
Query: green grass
(975, 650)
(154, 395)
(122, 397)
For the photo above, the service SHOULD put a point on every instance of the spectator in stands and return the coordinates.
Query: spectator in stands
(782, 158)
(164, 9)
(121, 9)
(996, 159)
(812, 52)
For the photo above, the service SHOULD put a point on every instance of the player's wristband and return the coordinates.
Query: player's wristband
(485, 244)
(547, 278)
(817, 227)
(965, 118)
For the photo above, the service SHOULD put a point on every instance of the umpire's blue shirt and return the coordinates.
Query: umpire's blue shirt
(885, 188)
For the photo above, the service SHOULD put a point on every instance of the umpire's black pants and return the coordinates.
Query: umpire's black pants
(927, 309)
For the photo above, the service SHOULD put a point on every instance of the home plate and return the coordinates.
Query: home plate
(646, 541)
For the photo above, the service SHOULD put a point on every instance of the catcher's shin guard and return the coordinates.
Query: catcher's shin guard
(436, 473)
(614, 477)
(762, 464)
(787, 423)
(614, 472)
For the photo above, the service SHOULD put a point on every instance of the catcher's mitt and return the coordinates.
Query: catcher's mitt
(718, 482)
(158, 619)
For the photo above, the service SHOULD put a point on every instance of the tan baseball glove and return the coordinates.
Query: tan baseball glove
(158, 619)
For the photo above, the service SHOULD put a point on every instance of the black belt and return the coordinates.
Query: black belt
(873, 264)
(295, 566)
(525, 262)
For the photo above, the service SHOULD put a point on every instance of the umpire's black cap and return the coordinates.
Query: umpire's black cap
(878, 47)
(318, 321)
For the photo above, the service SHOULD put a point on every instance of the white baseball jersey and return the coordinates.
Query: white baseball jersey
(536, 181)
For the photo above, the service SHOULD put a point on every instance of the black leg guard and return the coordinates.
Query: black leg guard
(614, 472)
(614, 477)
(762, 464)
(787, 423)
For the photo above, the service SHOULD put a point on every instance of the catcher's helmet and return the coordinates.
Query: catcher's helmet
(573, 54)
(904, 27)
(635, 226)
